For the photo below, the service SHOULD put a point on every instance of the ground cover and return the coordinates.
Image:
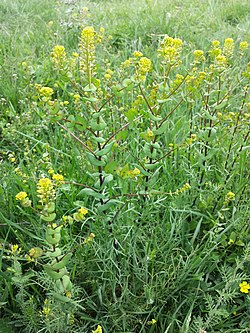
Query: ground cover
(124, 166)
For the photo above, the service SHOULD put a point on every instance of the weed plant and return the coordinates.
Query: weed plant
(125, 163)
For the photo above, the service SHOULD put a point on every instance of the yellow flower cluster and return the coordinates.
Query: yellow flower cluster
(21, 174)
(108, 74)
(80, 214)
(46, 309)
(45, 190)
(198, 56)
(127, 63)
(220, 61)
(244, 287)
(170, 50)
(143, 66)
(153, 94)
(216, 50)
(126, 173)
(15, 249)
(46, 93)
(150, 135)
(221, 56)
(184, 188)
(174, 84)
(243, 46)
(87, 51)
(100, 36)
(230, 196)
(67, 219)
(134, 173)
(195, 81)
(228, 48)
(11, 157)
(152, 322)
(58, 178)
(192, 139)
(58, 56)
(98, 330)
(77, 98)
(137, 54)
(90, 238)
(35, 252)
(23, 197)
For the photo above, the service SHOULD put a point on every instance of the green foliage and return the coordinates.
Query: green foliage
(156, 147)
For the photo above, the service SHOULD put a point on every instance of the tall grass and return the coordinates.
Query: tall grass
(160, 262)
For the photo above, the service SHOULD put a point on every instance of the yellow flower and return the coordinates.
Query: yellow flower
(98, 330)
(80, 214)
(230, 196)
(215, 43)
(87, 52)
(35, 252)
(24, 65)
(45, 190)
(90, 238)
(150, 134)
(58, 55)
(87, 35)
(68, 294)
(192, 138)
(152, 322)
(44, 182)
(228, 48)
(71, 319)
(137, 54)
(15, 249)
(184, 188)
(243, 46)
(220, 62)
(177, 81)
(126, 63)
(199, 56)
(46, 309)
(216, 50)
(244, 287)
(21, 196)
(143, 67)
(46, 92)
(83, 210)
(76, 96)
(135, 172)
(58, 178)
(170, 50)
(12, 158)
(107, 76)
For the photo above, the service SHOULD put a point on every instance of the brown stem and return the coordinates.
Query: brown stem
(172, 111)
(77, 139)
(119, 130)
(146, 100)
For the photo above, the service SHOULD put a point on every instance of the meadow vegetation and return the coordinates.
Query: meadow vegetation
(124, 194)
